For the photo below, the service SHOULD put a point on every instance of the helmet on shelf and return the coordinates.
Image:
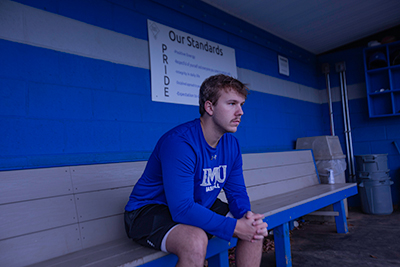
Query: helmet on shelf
(377, 60)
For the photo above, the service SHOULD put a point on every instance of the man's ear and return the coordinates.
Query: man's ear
(209, 107)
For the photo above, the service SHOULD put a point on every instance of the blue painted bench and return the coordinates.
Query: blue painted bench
(73, 216)
(285, 186)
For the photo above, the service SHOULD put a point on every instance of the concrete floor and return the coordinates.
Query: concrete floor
(373, 240)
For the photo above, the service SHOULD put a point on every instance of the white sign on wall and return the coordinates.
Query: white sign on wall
(283, 65)
(180, 62)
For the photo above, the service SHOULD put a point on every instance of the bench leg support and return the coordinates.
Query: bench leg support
(291, 225)
(219, 260)
(341, 221)
(282, 245)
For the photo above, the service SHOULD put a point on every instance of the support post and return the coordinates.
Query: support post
(341, 221)
(291, 225)
(282, 245)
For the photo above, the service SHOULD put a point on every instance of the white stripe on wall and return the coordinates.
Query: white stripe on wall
(28, 25)
(354, 91)
(271, 85)
(32, 26)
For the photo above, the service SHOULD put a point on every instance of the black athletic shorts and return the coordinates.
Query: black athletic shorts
(149, 224)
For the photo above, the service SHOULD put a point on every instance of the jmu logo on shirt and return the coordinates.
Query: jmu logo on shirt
(212, 178)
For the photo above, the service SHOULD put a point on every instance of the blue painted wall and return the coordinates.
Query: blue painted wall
(59, 108)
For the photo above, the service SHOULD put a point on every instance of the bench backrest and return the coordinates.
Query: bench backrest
(50, 212)
(274, 173)
(269, 174)
(55, 211)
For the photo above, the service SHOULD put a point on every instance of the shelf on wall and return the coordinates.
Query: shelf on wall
(382, 76)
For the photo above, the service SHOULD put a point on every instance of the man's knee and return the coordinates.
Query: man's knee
(187, 241)
(196, 241)
(249, 253)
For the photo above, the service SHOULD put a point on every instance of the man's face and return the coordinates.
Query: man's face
(228, 111)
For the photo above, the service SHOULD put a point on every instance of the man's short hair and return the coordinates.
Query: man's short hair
(211, 88)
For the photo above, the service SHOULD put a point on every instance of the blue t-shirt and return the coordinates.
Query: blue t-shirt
(187, 174)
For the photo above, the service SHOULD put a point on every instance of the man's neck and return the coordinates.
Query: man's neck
(210, 134)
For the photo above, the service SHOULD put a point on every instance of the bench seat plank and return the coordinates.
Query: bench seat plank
(119, 251)
(125, 252)
(275, 204)
(292, 210)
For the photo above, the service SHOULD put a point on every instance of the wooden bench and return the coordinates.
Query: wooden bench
(285, 186)
(73, 216)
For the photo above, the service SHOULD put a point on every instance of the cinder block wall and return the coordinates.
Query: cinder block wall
(75, 85)
(75, 81)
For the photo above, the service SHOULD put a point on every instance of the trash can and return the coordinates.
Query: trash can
(371, 163)
(378, 175)
(374, 184)
(328, 155)
(376, 197)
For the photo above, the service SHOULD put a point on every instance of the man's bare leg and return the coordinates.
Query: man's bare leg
(249, 249)
(248, 253)
(189, 243)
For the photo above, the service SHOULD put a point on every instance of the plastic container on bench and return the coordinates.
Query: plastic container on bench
(338, 167)
(324, 147)
(376, 197)
(328, 155)
(371, 163)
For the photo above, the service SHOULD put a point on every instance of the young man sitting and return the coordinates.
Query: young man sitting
(174, 205)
